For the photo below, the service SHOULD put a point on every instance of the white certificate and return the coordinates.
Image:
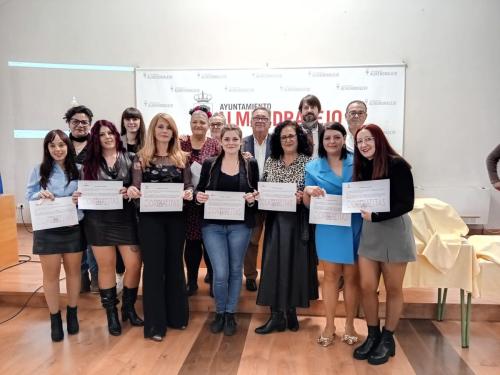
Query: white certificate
(158, 197)
(195, 173)
(275, 196)
(225, 205)
(46, 214)
(100, 195)
(328, 210)
(371, 196)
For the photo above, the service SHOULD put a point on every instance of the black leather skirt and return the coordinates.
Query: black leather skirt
(59, 240)
(112, 227)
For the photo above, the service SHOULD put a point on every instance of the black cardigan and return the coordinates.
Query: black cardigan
(209, 178)
(402, 191)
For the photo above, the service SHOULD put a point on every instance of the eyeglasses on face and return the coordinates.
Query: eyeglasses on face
(76, 122)
(260, 119)
(216, 125)
(366, 140)
(356, 113)
(288, 137)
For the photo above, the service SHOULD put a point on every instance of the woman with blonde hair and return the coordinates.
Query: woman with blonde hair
(161, 234)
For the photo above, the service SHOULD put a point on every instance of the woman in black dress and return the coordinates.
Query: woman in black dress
(107, 160)
(162, 234)
(289, 272)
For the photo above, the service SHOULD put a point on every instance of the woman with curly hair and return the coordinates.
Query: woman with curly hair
(289, 273)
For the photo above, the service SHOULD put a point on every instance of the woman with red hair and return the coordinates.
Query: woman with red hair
(107, 160)
(387, 242)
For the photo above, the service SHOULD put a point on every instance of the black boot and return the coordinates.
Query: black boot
(291, 319)
(56, 328)
(276, 322)
(364, 350)
(72, 320)
(385, 348)
(129, 297)
(229, 324)
(218, 323)
(109, 302)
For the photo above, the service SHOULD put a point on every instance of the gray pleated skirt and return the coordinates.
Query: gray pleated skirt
(389, 241)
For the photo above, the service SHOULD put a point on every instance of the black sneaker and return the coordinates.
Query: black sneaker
(229, 324)
(218, 323)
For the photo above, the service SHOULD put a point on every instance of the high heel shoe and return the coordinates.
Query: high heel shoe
(128, 307)
(349, 339)
(326, 341)
(56, 327)
(72, 320)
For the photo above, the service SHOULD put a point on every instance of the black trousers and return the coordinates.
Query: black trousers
(161, 237)
(192, 256)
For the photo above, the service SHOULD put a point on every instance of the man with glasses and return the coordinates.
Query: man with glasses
(79, 120)
(310, 108)
(256, 145)
(355, 114)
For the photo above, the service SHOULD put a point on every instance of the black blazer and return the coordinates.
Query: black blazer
(248, 145)
(209, 178)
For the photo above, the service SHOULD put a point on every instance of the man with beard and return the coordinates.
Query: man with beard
(310, 108)
(355, 114)
(79, 120)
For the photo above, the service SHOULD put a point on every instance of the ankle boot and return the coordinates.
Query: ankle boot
(129, 297)
(229, 324)
(109, 302)
(217, 324)
(56, 328)
(371, 342)
(386, 348)
(276, 322)
(291, 319)
(72, 320)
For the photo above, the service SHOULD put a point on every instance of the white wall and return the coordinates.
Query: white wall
(451, 47)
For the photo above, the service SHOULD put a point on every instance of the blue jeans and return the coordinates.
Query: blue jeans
(88, 261)
(226, 246)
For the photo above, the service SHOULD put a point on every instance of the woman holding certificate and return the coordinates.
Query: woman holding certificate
(387, 242)
(227, 239)
(161, 162)
(57, 176)
(336, 245)
(199, 147)
(106, 161)
(289, 273)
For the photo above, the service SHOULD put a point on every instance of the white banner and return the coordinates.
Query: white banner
(237, 92)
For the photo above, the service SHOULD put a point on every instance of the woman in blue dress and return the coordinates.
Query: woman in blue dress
(336, 245)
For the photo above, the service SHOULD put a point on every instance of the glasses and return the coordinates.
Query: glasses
(289, 137)
(260, 119)
(76, 122)
(216, 125)
(356, 113)
(366, 140)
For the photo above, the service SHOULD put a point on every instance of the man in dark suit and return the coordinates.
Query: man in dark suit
(258, 146)
(310, 108)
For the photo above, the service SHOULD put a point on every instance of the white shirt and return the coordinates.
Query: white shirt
(349, 142)
(315, 135)
(260, 154)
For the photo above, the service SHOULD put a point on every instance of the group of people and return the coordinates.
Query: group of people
(317, 158)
